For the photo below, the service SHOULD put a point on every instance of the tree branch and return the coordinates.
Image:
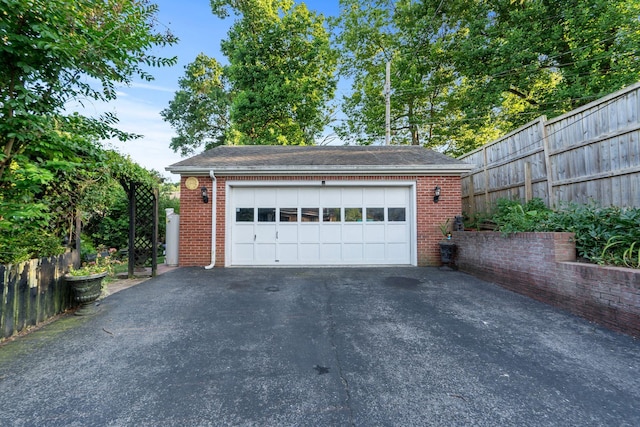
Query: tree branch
(521, 95)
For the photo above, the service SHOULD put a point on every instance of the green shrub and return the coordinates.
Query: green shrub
(603, 235)
(512, 217)
(25, 245)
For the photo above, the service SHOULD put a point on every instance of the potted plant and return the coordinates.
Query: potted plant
(447, 247)
(86, 281)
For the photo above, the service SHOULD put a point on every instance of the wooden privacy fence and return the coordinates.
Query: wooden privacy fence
(589, 154)
(33, 291)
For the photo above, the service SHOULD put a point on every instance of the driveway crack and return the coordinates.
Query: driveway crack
(336, 353)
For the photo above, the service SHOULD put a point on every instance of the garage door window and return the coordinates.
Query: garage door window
(288, 214)
(266, 214)
(331, 215)
(244, 215)
(353, 214)
(310, 215)
(396, 214)
(375, 214)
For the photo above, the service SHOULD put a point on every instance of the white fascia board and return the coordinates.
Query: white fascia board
(444, 169)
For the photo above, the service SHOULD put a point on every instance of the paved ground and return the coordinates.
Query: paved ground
(319, 347)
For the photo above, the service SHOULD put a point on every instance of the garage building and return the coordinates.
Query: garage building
(315, 206)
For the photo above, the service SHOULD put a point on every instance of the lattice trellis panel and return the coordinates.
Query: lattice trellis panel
(143, 227)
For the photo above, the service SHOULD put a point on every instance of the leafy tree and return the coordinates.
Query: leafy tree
(278, 83)
(525, 59)
(199, 111)
(465, 72)
(53, 52)
(417, 39)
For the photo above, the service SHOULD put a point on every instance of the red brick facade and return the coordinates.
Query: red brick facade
(195, 216)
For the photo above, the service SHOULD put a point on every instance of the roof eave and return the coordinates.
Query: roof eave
(441, 169)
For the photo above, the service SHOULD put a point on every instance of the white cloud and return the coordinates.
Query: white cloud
(139, 114)
(152, 150)
(148, 86)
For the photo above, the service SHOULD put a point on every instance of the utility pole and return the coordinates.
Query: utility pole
(387, 101)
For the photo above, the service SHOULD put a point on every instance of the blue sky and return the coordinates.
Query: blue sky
(138, 106)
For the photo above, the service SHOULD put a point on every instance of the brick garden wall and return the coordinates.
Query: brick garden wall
(195, 216)
(542, 266)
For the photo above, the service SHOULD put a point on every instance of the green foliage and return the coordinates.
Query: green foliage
(275, 90)
(51, 164)
(464, 72)
(512, 217)
(27, 243)
(417, 42)
(445, 228)
(199, 111)
(604, 235)
(54, 50)
(102, 263)
(110, 227)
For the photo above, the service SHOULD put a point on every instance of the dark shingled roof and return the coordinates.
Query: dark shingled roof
(269, 156)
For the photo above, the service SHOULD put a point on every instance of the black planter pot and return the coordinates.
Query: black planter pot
(447, 253)
(86, 289)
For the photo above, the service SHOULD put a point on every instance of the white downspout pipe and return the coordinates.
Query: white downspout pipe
(214, 199)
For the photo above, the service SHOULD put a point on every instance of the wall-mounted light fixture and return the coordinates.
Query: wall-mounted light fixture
(205, 195)
(436, 194)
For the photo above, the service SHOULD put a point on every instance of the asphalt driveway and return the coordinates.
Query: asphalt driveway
(320, 347)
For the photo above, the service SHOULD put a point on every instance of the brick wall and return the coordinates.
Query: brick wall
(541, 266)
(195, 224)
(195, 216)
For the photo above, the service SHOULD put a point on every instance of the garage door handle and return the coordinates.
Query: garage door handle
(254, 237)
(276, 235)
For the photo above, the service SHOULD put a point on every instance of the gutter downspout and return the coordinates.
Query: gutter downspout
(214, 198)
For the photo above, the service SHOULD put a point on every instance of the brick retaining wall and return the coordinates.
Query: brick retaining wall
(542, 266)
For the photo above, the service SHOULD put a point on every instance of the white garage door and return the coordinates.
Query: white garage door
(320, 225)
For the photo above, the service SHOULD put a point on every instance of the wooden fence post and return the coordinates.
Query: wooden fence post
(528, 188)
(547, 162)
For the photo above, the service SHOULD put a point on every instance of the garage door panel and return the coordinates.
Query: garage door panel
(288, 233)
(265, 197)
(309, 197)
(243, 253)
(393, 197)
(265, 233)
(309, 233)
(331, 197)
(374, 233)
(309, 252)
(265, 253)
(287, 196)
(331, 233)
(397, 252)
(352, 197)
(352, 233)
(374, 196)
(244, 197)
(397, 233)
(352, 252)
(288, 253)
(375, 252)
(243, 233)
(331, 253)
